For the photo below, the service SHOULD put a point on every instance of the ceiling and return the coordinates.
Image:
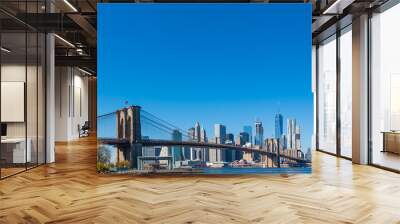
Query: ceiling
(75, 21)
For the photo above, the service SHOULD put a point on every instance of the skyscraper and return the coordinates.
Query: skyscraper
(191, 132)
(177, 154)
(220, 136)
(284, 141)
(259, 138)
(230, 139)
(297, 138)
(188, 152)
(291, 133)
(249, 131)
(229, 154)
(220, 133)
(205, 151)
(242, 138)
(203, 136)
(278, 125)
(197, 153)
(197, 132)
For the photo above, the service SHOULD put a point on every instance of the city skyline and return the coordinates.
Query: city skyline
(292, 132)
(214, 63)
(291, 144)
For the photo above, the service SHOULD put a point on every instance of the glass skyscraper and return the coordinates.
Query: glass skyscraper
(291, 133)
(177, 150)
(259, 138)
(249, 131)
(278, 126)
(220, 133)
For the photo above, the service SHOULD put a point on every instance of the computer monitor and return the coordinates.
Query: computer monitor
(3, 130)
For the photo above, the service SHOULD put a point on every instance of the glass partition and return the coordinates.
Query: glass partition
(23, 91)
(14, 153)
(385, 89)
(31, 97)
(346, 92)
(327, 95)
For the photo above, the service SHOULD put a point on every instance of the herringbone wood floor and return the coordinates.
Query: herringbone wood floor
(70, 191)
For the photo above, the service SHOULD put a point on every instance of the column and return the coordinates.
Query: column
(360, 90)
(50, 93)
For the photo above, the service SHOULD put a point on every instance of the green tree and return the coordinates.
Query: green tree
(103, 154)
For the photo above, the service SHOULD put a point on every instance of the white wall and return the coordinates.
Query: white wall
(71, 103)
(33, 126)
(12, 73)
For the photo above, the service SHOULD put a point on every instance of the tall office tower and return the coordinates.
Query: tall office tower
(203, 135)
(249, 131)
(291, 133)
(278, 125)
(242, 138)
(196, 152)
(284, 141)
(191, 133)
(205, 151)
(229, 154)
(177, 154)
(188, 151)
(197, 132)
(220, 133)
(297, 138)
(259, 138)
(230, 139)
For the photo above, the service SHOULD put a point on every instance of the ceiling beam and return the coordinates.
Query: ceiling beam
(77, 61)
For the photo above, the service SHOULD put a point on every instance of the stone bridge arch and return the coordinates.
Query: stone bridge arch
(128, 122)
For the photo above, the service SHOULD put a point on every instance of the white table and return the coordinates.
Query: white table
(19, 153)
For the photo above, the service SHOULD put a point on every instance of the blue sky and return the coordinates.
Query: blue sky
(212, 63)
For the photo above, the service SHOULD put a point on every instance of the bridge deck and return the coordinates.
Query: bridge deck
(154, 142)
(218, 146)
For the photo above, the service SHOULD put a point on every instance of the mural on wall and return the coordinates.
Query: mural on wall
(204, 88)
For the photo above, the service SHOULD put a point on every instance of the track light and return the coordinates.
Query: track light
(70, 5)
(64, 40)
(337, 7)
(5, 50)
(84, 71)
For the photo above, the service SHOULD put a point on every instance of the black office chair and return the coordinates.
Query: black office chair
(84, 130)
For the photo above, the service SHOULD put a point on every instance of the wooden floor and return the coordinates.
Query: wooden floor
(386, 159)
(70, 191)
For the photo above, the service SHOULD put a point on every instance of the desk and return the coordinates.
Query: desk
(391, 141)
(13, 150)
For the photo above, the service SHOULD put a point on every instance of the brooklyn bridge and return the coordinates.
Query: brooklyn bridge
(137, 134)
